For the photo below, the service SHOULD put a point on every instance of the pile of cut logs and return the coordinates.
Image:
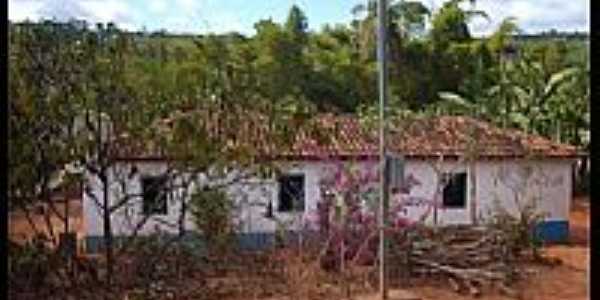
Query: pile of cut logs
(470, 258)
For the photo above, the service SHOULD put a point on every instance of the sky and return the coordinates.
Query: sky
(219, 16)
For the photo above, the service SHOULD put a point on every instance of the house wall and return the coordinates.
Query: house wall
(429, 188)
(550, 180)
(125, 219)
(252, 196)
(546, 183)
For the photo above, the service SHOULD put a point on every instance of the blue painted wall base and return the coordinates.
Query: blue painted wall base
(553, 231)
(245, 241)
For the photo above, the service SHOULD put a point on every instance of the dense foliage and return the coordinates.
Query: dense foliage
(335, 68)
(79, 93)
(65, 78)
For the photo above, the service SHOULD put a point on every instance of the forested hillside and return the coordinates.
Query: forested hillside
(538, 83)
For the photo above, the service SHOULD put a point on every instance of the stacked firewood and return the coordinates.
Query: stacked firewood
(469, 258)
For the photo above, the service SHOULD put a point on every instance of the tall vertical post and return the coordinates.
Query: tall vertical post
(383, 192)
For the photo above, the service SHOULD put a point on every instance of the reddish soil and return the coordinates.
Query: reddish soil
(567, 281)
(21, 230)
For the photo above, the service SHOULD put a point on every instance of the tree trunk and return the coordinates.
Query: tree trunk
(473, 193)
(182, 231)
(558, 131)
(66, 215)
(108, 238)
(47, 216)
(30, 220)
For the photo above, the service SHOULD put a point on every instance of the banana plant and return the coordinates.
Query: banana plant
(571, 109)
(528, 99)
(456, 104)
(534, 93)
(502, 37)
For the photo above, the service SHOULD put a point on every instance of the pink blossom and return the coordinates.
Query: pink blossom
(403, 222)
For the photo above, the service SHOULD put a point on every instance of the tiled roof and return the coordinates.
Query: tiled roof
(346, 136)
(426, 137)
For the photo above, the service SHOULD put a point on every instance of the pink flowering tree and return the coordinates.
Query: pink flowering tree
(346, 217)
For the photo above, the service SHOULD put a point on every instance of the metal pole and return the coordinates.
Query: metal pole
(383, 195)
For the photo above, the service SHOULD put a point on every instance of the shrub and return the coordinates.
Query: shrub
(212, 212)
(519, 231)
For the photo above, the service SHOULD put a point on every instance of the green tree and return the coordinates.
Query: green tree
(337, 81)
(44, 83)
(449, 24)
(502, 37)
(297, 25)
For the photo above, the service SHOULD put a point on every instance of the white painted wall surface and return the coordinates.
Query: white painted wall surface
(548, 185)
(125, 219)
(252, 195)
(430, 188)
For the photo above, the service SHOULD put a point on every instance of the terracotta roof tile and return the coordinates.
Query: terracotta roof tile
(346, 136)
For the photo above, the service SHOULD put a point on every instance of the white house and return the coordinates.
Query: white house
(488, 166)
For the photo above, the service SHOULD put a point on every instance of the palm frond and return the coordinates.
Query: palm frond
(559, 78)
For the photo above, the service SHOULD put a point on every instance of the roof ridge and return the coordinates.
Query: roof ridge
(425, 136)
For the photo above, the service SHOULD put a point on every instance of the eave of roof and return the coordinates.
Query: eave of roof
(446, 136)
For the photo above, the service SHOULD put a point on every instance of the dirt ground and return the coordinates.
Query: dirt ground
(20, 230)
(568, 281)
